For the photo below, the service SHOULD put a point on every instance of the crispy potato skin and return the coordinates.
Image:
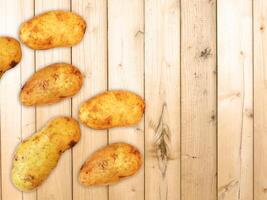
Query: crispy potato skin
(51, 84)
(37, 156)
(112, 109)
(53, 29)
(110, 164)
(10, 54)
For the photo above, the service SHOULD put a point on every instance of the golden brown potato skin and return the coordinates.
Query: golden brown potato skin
(38, 155)
(53, 29)
(112, 109)
(10, 54)
(110, 164)
(51, 84)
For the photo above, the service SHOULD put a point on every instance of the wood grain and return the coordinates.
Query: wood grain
(198, 100)
(58, 186)
(28, 123)
(235, 102)
(126, 71)
(162, 85)
(91, 58)
(166, 51)
(11, 124)
(260, 99)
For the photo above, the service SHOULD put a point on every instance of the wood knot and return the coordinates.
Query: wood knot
(191, 156)
(213, 117)
(196, 75)
(205, 53)
(249, 113)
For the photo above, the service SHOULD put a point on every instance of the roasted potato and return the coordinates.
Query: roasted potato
(51, 84)
(10, 54)
(37, 156)
(53, 29)
(110, 164)
(112, 109)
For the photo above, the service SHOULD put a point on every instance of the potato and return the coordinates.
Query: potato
(37, 156)
(10, 54)
(110, 164)
(112, 109)
(51, 84)
(53, 29)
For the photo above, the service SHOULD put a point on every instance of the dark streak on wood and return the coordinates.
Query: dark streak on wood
(213, 117)
(191, 156)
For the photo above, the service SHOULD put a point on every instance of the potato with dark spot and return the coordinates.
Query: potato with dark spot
(38, 155)
(10, 54)
(110, 164)
(51, 84)
(53, 29)
(112, 109)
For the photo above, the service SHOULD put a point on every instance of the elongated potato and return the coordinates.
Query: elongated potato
(112, 109)
(51, 84)
(53, 29)
(37, 156)
(110, 164)
(10, 54)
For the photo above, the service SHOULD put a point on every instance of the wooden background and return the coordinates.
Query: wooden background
(200, 65)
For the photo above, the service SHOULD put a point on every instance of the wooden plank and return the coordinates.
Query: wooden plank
(28, 125)
(126, 69)
(162, 83)
(58, 186)
(235, 101)
(260, 99)
(198, 100)
(91, 58)
(11, 110)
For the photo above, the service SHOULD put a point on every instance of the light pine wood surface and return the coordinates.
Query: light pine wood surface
(198, 100)
(201, 67)
(235, 100)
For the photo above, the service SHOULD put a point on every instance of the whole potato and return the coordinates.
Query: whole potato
(53, 29)
(10, 54)
(110, 164)
(112, 109)
(51, 84)
(37, 156)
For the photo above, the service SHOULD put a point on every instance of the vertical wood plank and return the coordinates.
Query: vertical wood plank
(198, 99)
(10, 106)
(58, 186)
(12, 14)
(162, 83)
(91, 58)
(235, 101)
(126, 69)
(28, 125)
(260, 99)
